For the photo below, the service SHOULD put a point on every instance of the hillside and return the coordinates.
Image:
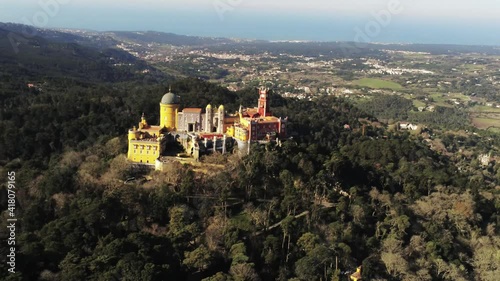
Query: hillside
(40, 59)
(85, 38)
(167, 38)
(56, 95)
(323, 203)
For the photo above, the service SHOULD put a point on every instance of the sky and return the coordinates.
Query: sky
(387, 21)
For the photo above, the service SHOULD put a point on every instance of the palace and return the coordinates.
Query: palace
(197, 130)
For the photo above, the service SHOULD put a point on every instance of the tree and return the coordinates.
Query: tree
(219, 277)
(486, 257)
(317, 264)
(270, 251)
(199, 259)
(180, 228)
(308, 241)
(243, 272)
(393, 257)
(238, 253)
(240, 269)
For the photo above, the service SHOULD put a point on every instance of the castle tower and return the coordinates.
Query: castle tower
(208, 119)
(263, 103)
(133, 134)
(169, 106)
(221, 114)
(143, 124)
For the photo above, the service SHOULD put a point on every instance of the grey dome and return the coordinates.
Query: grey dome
(170, 98)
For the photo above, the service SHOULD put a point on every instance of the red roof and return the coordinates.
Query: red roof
(210, 136)
(192, 110)
(252, 113)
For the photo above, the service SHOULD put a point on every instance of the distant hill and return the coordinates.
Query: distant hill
(167, 38)
(50, 34)
(57, 56)
(110, 39)
(348, 48)
(90, 39)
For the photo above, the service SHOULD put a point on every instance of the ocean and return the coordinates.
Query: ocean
(271, 25)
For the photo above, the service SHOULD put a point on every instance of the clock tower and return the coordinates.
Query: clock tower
(263, 103)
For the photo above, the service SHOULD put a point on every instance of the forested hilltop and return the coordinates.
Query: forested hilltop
(329, 199)
(315, 208)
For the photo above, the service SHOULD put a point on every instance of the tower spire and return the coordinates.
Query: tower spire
(143, 124)
(263, 103)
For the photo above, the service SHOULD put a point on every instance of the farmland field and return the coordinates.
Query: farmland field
(480, 108)
(377, 84)
(486, 122)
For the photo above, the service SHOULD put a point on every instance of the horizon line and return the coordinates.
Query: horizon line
(296, 40)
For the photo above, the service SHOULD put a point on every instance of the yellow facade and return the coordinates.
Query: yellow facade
(243, 121)
(144, 143)
(145, 152)
(168, 116)
(230, 131)
(241, 133)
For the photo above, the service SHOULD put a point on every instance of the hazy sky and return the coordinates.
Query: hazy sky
(421, 21)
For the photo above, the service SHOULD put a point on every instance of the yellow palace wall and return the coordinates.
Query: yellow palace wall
(168, 116)
(143, 151)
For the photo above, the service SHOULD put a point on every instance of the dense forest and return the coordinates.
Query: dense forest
(387, 107)
(327, 200)
(314, 208)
